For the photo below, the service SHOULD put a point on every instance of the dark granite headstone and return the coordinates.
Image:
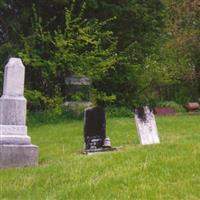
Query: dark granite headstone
(94, 128)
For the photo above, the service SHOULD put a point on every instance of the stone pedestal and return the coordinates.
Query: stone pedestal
(18, 155)
(15, 145)
(13, 134)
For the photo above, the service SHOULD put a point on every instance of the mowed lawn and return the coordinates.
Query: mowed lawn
(170, 170)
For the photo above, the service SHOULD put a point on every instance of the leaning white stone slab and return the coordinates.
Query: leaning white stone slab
(146, 128)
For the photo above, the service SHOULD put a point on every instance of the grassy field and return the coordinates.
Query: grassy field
(168, 171)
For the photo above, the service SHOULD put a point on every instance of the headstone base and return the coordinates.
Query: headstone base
(99, 150)
(18, 155)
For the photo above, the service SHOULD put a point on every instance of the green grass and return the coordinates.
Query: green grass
(168, 171)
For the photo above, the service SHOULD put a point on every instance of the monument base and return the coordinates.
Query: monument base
(18, 155)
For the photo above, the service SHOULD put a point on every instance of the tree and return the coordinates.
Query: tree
(138, 26)
(81, 48)
(184, 30)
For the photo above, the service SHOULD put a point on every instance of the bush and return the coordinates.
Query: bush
(177, 107)
(119, 112)
(82, 47)
(39, 102)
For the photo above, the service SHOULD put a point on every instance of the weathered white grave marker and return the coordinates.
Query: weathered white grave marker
(146, 126)
(15, 145)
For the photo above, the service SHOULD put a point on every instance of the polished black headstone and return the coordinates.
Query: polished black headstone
(94, 127)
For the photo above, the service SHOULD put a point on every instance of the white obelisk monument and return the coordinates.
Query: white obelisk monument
(15, 145)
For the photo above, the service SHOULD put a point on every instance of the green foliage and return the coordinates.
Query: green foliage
(177, 107)
(135, 44)
(6, 50)
(113, 111)
(37, 101)
(101, 97)
(185, 94)
(82, 48)
(131, 49)
(167, 68)
(138, 23)
(78, 96)
(183, 28)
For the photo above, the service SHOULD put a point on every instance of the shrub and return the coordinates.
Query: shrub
(81, 47)
(39, 102)
(119, 112)
(177, 107)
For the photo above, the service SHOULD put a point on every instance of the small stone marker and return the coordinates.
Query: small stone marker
(95, 130)
(15, 145)
(146, 126)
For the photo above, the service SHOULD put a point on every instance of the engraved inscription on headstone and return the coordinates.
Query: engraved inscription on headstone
(146, 126)
(15, 145)
(95, 129)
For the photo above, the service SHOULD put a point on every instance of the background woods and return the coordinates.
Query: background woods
(136, 51)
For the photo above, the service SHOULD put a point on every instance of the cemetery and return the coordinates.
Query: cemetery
(99, 100)
(166, 166)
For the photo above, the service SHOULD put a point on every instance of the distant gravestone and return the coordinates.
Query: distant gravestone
(95, 129)
(77, 85)
(146, 126)
(77, 80)
(15, 145)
